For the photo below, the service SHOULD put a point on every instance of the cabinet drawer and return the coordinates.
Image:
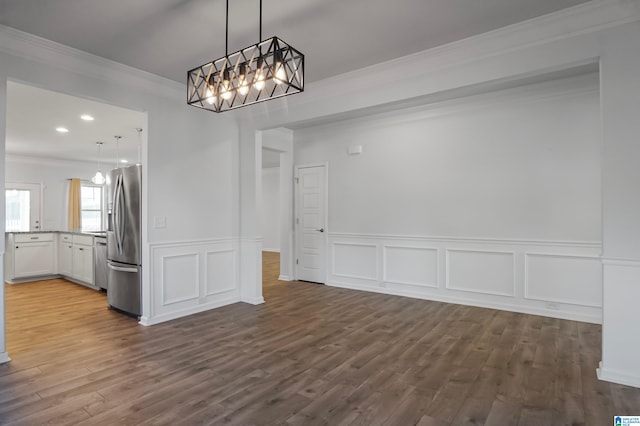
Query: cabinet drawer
(85, 240)
(66, 238)
(33, 238)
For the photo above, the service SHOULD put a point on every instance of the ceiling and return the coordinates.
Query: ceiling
(168, 37)
(33, 114)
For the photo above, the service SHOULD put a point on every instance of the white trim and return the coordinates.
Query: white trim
(234, 252)
(285, 278)
(615, 376)
(271, 250)
(187, 311)
(612, 261)
(31, 47)
(253, 301)
(181, 243)
(163, 260)
(479, 240)
(4, 357)
(438, 297)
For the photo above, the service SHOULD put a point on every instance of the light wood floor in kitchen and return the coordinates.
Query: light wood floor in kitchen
(311, 355)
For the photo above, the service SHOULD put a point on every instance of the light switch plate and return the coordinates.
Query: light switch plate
(159, 222)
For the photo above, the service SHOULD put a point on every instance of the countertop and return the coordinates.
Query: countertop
(92, 233)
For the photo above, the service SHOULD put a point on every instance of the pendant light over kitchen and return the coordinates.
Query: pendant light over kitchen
(99, 179)
(267, 70)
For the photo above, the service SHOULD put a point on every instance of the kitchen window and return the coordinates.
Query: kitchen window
(91, 207)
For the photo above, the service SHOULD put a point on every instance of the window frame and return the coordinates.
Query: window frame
(85, 183)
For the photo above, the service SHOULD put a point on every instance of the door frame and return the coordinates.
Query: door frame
(296, 199)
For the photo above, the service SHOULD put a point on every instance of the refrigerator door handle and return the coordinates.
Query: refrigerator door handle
(116, 213)
(121, 268)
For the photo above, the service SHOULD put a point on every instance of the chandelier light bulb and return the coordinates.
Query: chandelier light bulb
(281, 74)
(98, 179)
(210, 98)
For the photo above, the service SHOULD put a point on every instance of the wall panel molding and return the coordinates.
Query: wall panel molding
(486, 267)
(562, 278)
(192, 276)
(423, 274)
(451, 270)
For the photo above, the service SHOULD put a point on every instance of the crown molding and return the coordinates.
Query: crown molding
(583, 19)
(49, 161)
(31, 47)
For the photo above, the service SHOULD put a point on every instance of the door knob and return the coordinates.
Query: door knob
(320, 230)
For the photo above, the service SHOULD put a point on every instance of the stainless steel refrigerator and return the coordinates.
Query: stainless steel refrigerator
(123, 239)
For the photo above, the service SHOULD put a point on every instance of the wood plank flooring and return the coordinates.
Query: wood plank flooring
(311, 355)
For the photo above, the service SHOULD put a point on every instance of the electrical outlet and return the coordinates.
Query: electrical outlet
(553, 306)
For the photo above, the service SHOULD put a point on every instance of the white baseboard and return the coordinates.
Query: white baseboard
(619, 377)
(146, 321)
(250, 301)
(285, 278)
(271, 250)
(594, 319)
(4, 357)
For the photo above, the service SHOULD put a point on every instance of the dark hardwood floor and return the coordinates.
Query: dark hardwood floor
(311, 355)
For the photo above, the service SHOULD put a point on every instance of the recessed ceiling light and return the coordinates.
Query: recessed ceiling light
(86, 117)
(124, 161)
(62, 129)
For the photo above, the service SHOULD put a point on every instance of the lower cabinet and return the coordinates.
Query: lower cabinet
(34, 255)
(65, 258)
(82, 267)
(33, 259)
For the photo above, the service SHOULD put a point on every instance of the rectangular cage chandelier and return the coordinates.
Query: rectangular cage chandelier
(267, 70)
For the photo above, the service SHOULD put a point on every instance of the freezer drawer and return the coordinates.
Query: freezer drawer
(123, 287)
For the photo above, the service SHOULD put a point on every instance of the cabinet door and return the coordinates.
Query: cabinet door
(33, 259)
(65, 259)
(83, 263)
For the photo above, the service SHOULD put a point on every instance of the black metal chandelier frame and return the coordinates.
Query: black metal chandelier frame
(266, 70)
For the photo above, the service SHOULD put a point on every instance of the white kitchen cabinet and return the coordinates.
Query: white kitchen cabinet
(33, 259)
(82, 264)
(65, 256)
(82, 268)
(29, 255)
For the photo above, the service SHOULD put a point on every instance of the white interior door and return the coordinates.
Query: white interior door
(311, 223)
(22, 207)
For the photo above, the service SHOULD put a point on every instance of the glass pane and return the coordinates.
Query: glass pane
(91, 220)
(91, 198)
(18, 210)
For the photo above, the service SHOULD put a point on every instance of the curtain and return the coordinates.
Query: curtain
(74, 205)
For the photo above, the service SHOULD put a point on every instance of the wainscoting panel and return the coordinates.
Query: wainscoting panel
(179, 278)
(355, 260)
(563, 279)
(410, 265)
(221, 271)
(192, 276)
(487, 272)
(559, 279)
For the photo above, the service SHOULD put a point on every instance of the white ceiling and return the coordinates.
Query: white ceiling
(168, 37)
(33, 115)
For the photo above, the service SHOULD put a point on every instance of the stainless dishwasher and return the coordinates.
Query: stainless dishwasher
(100, 264)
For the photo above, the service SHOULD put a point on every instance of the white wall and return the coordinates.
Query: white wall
(52, 175)
(271, 209)
(517, 164)
(491, 200)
